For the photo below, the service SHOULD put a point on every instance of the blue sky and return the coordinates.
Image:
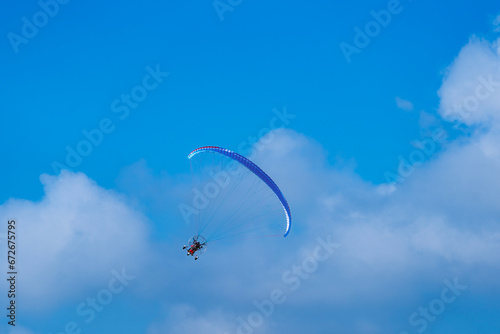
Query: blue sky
(375, 154)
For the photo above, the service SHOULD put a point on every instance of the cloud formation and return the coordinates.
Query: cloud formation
(470, 92)
(396, 248)
(73, 238)
(404, 104)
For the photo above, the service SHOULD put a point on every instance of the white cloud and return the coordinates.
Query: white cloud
(397, 242)
(404, 104)
(446, 211)
(470, 92)
(71, 240)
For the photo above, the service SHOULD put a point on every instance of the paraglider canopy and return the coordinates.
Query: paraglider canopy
(233, 199)
(254, 169)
